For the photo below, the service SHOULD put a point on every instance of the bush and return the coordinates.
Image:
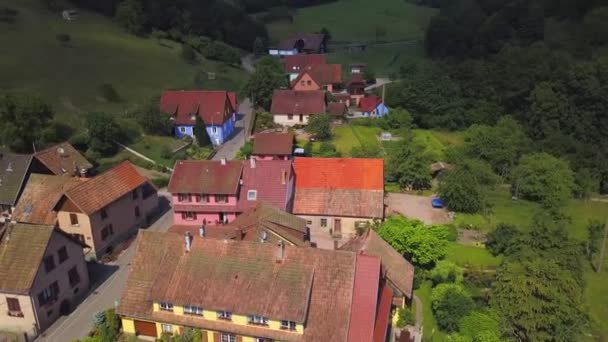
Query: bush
(63, 38)
(319, 126)
(188, 54)
(450, 303)
(406, 317)
(328, 150)
(263, 121)
(165, 152)
(108, 92)
(446, 272)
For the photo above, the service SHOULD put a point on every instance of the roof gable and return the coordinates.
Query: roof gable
(214, 107)
(206, 177)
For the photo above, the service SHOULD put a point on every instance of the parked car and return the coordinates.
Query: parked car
(437, 203)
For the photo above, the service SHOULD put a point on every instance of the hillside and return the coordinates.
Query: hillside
(69, 74)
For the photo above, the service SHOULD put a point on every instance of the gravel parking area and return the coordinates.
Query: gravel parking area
(416, 207)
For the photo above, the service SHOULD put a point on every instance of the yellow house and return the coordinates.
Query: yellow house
(250, 291)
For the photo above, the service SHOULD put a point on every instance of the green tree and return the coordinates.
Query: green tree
(369, 75)
(408, 165)
(450, 303)
(268, 77)
(152, 120)
(200, 132)
(502, 239)
(595, 233)
(481, 326)
(465, 188)
(23, 120)
(595, 25)
(263, 121)
(543, 178)
(422, 244)
(538, 301)
(328, 150)
(585, 184)
(130, 15)
(104, 132)
(246, 151)
(446, 271)
(397, 119)
(319, 125)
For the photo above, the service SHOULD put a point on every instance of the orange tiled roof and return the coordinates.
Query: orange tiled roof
(339, 173)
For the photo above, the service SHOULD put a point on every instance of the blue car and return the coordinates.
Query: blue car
(437, 203)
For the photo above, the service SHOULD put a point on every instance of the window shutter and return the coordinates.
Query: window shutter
(216, 337)
(239, 338)
(204, 336)
(13, 304)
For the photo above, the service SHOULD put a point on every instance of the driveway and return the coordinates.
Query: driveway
(112, 279)
(229, 148)
(416, 207)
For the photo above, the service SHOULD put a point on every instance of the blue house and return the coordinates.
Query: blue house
(217, 109)
(373, 106)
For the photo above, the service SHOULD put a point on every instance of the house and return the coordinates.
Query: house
(372, 106)
(398, 272)
(42, 276)
(337, 109)
(64, 160)
(215, 192)
(268, 146)
(108, 208)
(357, 68)
(342, 97)
(308, 43)
(291, 107)
(296, 63)
(217, 109)
(319, 77)
(356, 88)
(337, 196)
(39, 197)
(251, 291)
(263, 223)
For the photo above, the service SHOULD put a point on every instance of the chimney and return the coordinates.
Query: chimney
(252, 162)
(283, 176)
(280, 254)
(201, 231)
(188, 240)
(223, 161)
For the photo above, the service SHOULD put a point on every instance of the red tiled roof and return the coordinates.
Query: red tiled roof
(383, 314)
(343, 97)
(310, 284)
(106, 188)
(205, 177)
(356, 79)
(312, 41)
(368, 104)
(232, 99)
(295, 63)
(297, 102)
(338, 202)
(339, 173)
(365, 298)
(271, 180)
(273, 144)
(212, 232)
(214, 107)
(63, 159)
(337, 108)
(322, 74)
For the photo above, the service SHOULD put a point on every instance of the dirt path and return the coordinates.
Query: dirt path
(416, 207)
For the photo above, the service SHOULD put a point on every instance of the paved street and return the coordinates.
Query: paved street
(80, 321)
(229, 149)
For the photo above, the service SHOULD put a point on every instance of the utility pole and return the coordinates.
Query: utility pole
(602, 253)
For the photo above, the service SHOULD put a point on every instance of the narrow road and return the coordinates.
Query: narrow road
(80, 321)
(229, 148)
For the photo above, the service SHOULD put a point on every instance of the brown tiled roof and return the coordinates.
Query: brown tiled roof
(22, 247)
(337, 108)
(206, 177)
(213, 106)
(337, 202)
(277, 144)
(99, 191)
(40, 195)
(398, 270)
(272, 179)
(295, 63)
(322, 74)
(13, 172)
(310, 284)
(312, 41)
(365, 299)
(211, 232)
(63, 159)
(297, 102)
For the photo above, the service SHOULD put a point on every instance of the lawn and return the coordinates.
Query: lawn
(437, 142)
(471, 256)
(597, 301)
(348, 136)
(153, 146)
(357, 20)
(69, 75)
(430, 329)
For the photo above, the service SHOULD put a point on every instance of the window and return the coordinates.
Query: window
(49, 263)
(14, 308)
(166, 306)
(323, 222)
(258, 320)
(309, 222)
(221, 198)
(73, 276)
(184, 198)
(188, 215)
(193, 310)
(182, 129)
(137, 213)
(289, 117)
(309, 82)
(226, 315)
(252, 195)
(302, 82)
(213, 129)
(197, 198)
(288, 325)
(166, 328)
(261, 339)
(205, 198)
(73, 219)
(135, 194)
(104, 214)
(62, 253)
(107, 231)
(79, 237)
(227, 338)
(48, 295)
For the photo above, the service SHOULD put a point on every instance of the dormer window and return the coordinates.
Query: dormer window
(224, 315)
(258, 320)
(165, 306)
(288, 325)
(252, 195)
(193, 310)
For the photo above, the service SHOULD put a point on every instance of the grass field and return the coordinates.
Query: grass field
(348, 136)
(471, 256)
(99, 52)
(437, 142)
(431, 331)
(357, 20)
(152, 147)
